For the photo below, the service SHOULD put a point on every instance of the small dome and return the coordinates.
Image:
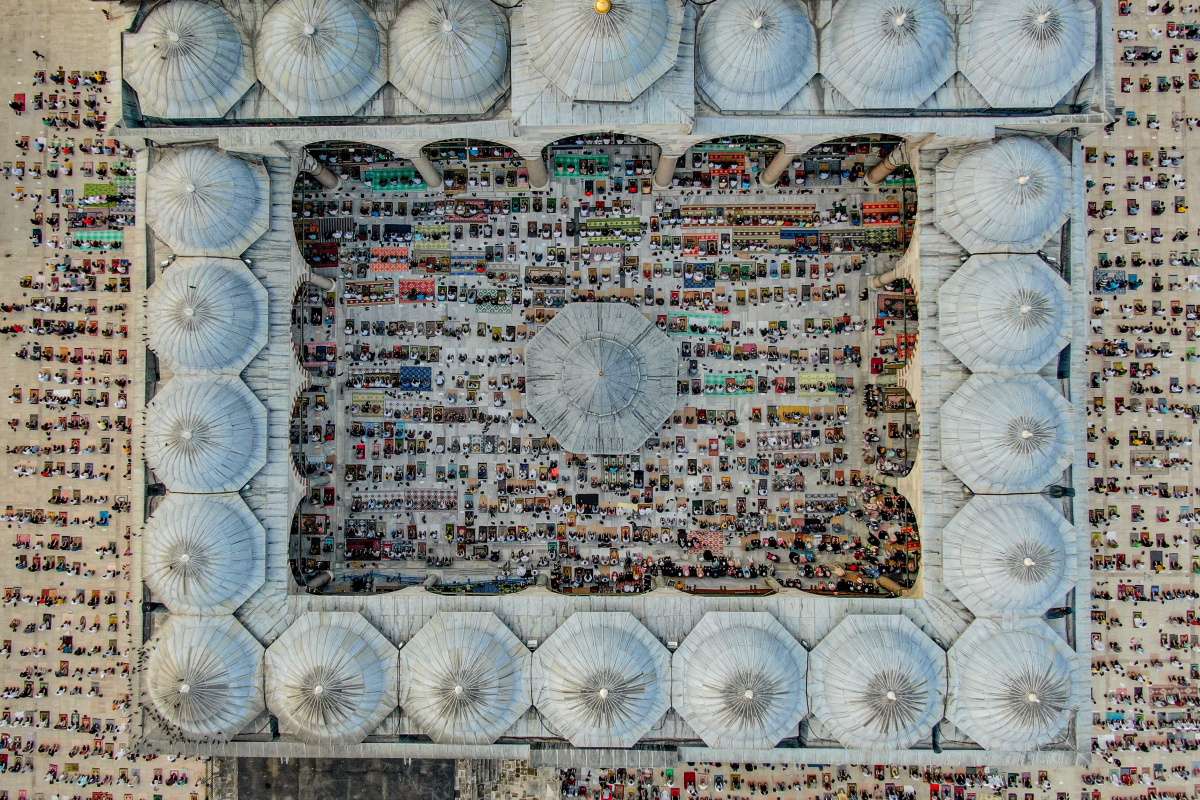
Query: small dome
(204, 554)
(188, 60)
(738, 680)
(464, 678)
(888, 53)
(321, 58)
(206, 435)
(450, 56)
(1014, 687)
(755, 55)
(877, 682)
(204, 676)
(331, 677)
(601, 679)
(1004, 314)
(1005, 196)
(1008, 555)
(205, 202)
(207, 315)
(1027, 53)
(1006, 435)
(601, 50)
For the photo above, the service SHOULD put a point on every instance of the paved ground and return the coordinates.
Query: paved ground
(348, 779)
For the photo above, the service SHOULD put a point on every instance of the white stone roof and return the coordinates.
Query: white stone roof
(1027, 53)
(321, 58)
(600, 378)
(205, 434)
(188, 59)
(450, 56)
(207, 315)
(1008, 555)
(608, 55)
(888, 53)
(204, 676)
(1013, 687)
(1004, 314)
(464, 678)
(755, 55)
(601, 679)
(204, 554)
(1004, 196)
(738, 680)
(205, 202)
(1006, 435)
(331, 677)
(877, 681)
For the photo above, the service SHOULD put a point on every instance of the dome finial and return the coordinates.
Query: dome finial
(603, 6)
(309, 29)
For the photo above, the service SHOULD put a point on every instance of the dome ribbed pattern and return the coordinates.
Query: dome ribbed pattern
(204, 554)
(204, 677)
(321, 58)
(189, 59)
(738, 680)
(205, 202)
(1027, 53)
(207, 315)
(206, 435)
(450, 56)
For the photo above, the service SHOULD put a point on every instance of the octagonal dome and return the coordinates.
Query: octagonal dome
(464, 678)
(331, 677)
(755, 55)
(321, 58)
(1006, 435)
(888, 53)
(1004, 314)
(1014, 686)
(1008, 555)
(204, 554)
(1004, 196)
(206, 434)
(877, 681)
(189, 59)
(1027, 53)
(450, 56)
(600, 378)
(202, 201)
(601, 679)
(738, 680)
(204, 676)
(603, 50)
(207, 315)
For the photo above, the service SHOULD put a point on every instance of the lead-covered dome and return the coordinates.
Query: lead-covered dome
(188, 60)
(205, 202)
(207, 315)
(206, 435)
(1027, 53)
(1006, 435)
(888, 53)
(321, 58)
(604, 50)
(204, 554)
(450, 56)
(755, 55)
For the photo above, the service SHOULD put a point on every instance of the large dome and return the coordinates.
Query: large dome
(450, 56)
(755, 55)
(189, 59)
(1027, 53)
(204, 202)
(321, 58)
(207, 315)
(605, 50)
(888, 53)
(738, 680)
